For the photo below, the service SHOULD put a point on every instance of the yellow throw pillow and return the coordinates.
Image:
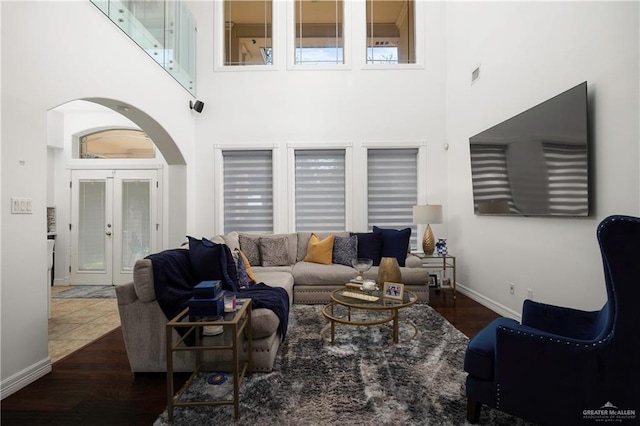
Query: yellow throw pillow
(320, 251)
(247, 266)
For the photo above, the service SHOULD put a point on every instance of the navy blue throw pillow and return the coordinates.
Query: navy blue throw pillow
(370, 246)
(212, 261)
(395, 243)
(243, 278)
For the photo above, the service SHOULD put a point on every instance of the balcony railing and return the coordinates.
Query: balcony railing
(166, 30)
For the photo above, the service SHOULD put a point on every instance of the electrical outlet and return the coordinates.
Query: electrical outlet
(530, 294)
(512, 288)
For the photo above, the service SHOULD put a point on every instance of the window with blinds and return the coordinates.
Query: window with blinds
(320, 190)
(392, 188)
(248, 191)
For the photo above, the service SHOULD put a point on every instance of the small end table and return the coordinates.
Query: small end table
(236, 323)
(434, 261)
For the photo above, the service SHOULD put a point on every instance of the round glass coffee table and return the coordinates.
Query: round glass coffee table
(343, 310)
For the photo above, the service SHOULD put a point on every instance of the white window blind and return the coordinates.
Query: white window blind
(320, 183)
(248, 191)
(392, 188)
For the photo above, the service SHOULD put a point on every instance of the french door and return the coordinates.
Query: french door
(114, 222)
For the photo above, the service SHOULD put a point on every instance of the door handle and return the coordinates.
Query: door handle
(108, 233)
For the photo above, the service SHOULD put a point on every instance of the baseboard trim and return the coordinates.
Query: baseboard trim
(496, 307)
(25, 377)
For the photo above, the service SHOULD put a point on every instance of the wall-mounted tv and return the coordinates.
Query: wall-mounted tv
(536, 163)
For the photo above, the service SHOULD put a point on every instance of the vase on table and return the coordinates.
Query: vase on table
(389, 271)
(441, 247)
(362, 265)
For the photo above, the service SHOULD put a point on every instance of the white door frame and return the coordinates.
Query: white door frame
(116, 270)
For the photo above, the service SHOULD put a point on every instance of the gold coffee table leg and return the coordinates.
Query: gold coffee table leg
(395, 326)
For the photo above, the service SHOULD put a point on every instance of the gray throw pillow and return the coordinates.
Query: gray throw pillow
(345, 249)
(274, 251)
(251, 248)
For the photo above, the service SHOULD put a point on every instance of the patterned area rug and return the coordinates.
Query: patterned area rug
(354, 382)
(87, 292)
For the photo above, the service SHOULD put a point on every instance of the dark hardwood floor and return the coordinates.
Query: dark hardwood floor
(94, 385)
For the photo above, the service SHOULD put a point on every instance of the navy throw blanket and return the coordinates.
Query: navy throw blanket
(174, 279)
(274, 298)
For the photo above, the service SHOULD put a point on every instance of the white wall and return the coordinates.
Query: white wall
(52, 53)
(529, 52)
(313, 107)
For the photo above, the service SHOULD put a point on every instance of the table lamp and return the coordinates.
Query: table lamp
(426, 214)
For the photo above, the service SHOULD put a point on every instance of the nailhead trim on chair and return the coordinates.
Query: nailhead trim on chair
(600, 342)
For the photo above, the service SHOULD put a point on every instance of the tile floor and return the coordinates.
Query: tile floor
(75, 323)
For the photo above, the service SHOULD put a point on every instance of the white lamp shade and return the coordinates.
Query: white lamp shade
(428, 213)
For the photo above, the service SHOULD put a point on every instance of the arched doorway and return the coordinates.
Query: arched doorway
(165, 228)
(65, 162)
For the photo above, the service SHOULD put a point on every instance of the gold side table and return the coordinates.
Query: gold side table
(237, 324)
(443, 263)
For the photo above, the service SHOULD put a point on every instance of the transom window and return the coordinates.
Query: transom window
(117, 143)
(247, 35)
(319, 32)
(390, 32)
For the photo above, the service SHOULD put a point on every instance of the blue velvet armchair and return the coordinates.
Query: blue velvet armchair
(564, 366)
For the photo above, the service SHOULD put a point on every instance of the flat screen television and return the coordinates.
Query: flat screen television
(536, 163)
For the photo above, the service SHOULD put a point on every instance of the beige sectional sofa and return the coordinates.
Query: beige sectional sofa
(143, 321)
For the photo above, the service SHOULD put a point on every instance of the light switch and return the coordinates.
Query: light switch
(21, 205)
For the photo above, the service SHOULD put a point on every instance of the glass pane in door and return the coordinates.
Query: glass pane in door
(92, 226)
(136, 227)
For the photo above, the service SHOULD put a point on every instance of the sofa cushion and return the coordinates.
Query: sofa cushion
(309, 273)
(232, 240)
(274, 251)
(413, 261)
(395, 243)
(275, 276)
(320, 251)
(370, 246)
(345, 249)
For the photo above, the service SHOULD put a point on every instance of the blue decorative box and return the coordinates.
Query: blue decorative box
(207, 289)
(206, 307)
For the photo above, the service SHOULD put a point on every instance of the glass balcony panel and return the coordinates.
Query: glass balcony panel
(166, 30)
